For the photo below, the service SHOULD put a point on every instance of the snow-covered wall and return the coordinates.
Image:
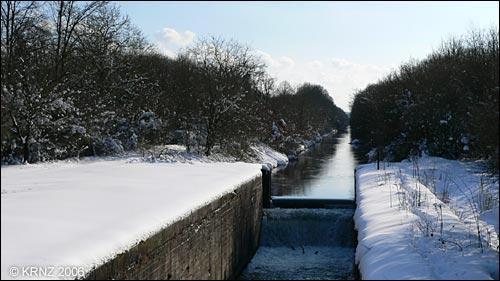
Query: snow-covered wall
(73, 217)
(214, 242)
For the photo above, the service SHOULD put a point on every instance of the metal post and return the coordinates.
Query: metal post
(266, 186)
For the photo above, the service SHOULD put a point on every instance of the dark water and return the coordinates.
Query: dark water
(327, 171)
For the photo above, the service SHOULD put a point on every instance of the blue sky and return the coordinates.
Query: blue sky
(340, 45)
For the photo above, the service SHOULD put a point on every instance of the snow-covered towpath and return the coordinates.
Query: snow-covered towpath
(420, 220)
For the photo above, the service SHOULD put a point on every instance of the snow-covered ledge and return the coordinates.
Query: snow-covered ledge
(130, 220)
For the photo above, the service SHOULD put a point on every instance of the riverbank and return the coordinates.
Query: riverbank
(428, 219)
(257, 153)
(300, 146)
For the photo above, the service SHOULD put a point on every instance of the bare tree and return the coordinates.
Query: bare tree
(21, 37)
(227, 71)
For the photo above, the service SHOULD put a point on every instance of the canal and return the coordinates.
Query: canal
(310, 243)
(323, 172)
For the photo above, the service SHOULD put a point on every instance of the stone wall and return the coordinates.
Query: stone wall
(214, 242)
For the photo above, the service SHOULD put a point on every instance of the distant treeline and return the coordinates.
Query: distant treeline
(79, 79)
(445, 105)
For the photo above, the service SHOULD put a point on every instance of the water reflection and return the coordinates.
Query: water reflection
(325, 172)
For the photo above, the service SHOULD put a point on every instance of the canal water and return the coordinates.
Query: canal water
(326, 171)
(310, 244)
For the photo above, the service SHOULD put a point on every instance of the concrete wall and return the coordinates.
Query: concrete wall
(214, 242)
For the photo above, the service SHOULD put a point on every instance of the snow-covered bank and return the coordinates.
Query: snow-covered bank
(257, 153)
(82, 214)
(262, 153)
(420, 220)
(299, 146)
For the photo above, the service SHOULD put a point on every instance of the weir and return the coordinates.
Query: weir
(306, 244)
(305, 202)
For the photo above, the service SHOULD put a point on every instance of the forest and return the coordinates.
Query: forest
(79, 79)
(444, 105)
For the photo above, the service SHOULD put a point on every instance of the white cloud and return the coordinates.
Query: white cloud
(172, 36)
(315, 64)
(340, 63)
(286, 63)
(265, 57)
(169, 40)
(282, 63)
(339, 76)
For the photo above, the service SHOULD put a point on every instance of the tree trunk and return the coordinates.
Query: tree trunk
(378, 158)
(208, 145)
(26, 152)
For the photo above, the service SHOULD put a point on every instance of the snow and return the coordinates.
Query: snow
(267, 167)
(265, 154)
(491, 217)
(61, 104)
(431, 234)
(75, 129)
(309, 143)
(84, 213)
(355, 142)
(259, 153)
